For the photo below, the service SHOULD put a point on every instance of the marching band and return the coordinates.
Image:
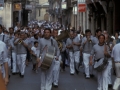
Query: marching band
(38, 43)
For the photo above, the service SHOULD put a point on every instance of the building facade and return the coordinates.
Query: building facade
(55, 10)
(6, 14)
(104, 14)
(42, 10)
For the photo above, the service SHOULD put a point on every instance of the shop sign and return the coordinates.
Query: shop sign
(82, 7)
(17, 6)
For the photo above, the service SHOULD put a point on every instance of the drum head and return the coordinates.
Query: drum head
(97, 64)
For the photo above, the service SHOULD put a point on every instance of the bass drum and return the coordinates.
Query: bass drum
(48, 58)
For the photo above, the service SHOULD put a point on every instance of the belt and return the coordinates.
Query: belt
(117, 62)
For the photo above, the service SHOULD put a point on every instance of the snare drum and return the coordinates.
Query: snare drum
(48, 58)
(101, 64)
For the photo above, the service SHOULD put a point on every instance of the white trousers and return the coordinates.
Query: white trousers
(109, 71)
(74, 58)
(9, 65)
(103, 78)
(47, 78)
(117, 80)
(87, 67)
(56, 71)
(21, 58)
(14, 64)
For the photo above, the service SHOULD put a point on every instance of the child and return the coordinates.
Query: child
(34, 56)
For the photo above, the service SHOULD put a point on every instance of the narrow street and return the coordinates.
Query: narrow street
(31, 81)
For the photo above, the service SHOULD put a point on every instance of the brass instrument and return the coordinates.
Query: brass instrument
(20, 41)
(89, 39)
(59, 38)
(60, 45)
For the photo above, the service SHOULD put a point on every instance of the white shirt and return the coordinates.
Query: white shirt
(34, 49)
(3, 52)
(116, 53)
(16, 28)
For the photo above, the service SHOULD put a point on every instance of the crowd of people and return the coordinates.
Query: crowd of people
(21, 45)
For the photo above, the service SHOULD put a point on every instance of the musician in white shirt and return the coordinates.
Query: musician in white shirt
(99, 51)
(116, 56)
(46, 75)
(4, 62)
(56, 69)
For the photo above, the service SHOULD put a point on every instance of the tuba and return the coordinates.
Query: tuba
(59, 38)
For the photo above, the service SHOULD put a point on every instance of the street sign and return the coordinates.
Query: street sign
(82, 7)
(17, 6)
(1, 3)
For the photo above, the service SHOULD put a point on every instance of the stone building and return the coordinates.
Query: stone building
(104, 14)
(55, 10)
(6, 14)
(42, 10)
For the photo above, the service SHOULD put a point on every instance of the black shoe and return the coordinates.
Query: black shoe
(22, 76)
(56, 86)
(110, 85)
(77, 72)
(13, 73)
(87, 77)
(71, 73)
(91, 75)
(17, 72)
(114, 73)
(9, 76)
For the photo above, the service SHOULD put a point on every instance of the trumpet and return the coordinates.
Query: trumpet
(20, 41)
(89, 39)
